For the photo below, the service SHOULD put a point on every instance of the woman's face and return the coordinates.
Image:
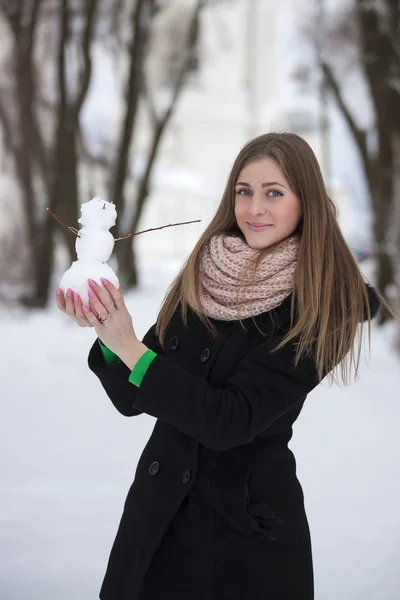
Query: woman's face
(263, 196)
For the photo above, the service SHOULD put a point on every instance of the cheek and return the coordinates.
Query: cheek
(292, 210)
(238, 210)
(298, 211)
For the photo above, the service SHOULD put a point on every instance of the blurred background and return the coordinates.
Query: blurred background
(147, 103)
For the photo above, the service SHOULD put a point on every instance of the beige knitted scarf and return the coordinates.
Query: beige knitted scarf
(223, 260)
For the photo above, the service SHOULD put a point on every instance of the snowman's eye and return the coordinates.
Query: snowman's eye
(104, 206)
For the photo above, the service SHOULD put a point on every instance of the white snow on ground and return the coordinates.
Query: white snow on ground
(67, 459)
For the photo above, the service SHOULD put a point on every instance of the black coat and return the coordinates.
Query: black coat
(215, 511)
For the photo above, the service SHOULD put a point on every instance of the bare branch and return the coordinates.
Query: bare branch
(92, 6)
(76, 232)
(61, 61)
(140, 26)
(154, 229)
(73, 229)
(30, 38)
(162, 122)
(149, 100)
(394, 29)
(358, 133)
(7, 126)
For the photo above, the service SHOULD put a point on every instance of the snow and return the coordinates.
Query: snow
(68, 458)
(94, 246)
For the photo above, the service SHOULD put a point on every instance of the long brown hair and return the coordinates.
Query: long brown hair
(323, 320)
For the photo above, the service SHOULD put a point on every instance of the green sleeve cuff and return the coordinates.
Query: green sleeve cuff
(109, 357)
(141, 367)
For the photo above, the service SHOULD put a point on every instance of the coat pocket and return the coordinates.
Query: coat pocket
(262, 519)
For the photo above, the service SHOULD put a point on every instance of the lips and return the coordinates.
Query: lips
(259, 226)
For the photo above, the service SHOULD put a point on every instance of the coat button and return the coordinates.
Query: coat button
(174, 343)
(186, 476)
(205, 355)
(154, 468)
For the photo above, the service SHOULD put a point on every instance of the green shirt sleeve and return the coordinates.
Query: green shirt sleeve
(109, 357)
(139, 369)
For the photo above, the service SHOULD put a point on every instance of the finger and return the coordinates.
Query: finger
(100, 299)
(92, 308)
(90, 317)
(99, 311)
(60, 299)
(82, 320)
(96, 306)
(69, 304)
(115, 294)
(102, 295)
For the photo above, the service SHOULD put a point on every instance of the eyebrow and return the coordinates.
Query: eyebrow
(263, 184)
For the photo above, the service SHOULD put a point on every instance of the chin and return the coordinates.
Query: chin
(258, 245)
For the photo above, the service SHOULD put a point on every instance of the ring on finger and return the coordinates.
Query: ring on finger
(103, 320)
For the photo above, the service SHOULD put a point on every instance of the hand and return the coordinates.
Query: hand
(117, 332)
(71, 305)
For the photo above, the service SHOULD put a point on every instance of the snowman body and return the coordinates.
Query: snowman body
(94, 247)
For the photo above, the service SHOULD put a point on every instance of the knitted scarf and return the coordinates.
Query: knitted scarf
(222, 260)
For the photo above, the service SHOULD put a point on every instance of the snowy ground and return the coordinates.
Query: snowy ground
(67, 459)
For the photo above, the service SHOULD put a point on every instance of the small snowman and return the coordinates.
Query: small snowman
(94, 246)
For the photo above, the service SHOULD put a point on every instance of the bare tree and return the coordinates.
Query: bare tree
(64, 194)
(370, 31)
(17, 113)
(43, 168)
(381, 68)
(42, 131)
(178, 77)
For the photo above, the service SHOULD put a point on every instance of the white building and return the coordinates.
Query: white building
(245, 87)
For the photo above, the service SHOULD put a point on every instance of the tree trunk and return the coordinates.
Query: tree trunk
(127, 265)
(127, 271)
(394, 241)
(377, 63)
(45, 256)
(64, 185)
(28, 146)
(127, 256)
(140, 34)
(385, 270)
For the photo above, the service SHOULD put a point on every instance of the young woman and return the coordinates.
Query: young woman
(269, 302)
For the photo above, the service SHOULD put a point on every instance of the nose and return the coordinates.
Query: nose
(256, 206)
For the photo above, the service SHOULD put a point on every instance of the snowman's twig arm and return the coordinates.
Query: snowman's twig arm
(154, 229)
(75, 231)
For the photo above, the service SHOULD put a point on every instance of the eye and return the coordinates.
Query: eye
(246, 192)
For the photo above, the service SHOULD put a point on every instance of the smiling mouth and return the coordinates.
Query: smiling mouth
(259, 227)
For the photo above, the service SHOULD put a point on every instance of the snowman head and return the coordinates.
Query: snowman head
(98, 214)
